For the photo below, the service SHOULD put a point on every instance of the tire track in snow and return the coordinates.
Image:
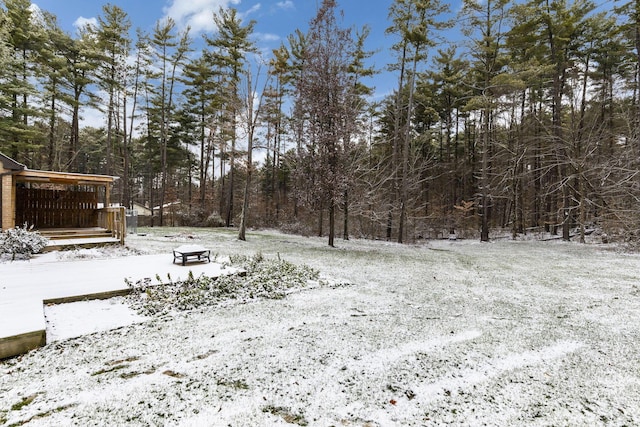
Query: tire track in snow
(387, 356)
(469, 377)
(371, 367)
(406, 409)
(330, 395)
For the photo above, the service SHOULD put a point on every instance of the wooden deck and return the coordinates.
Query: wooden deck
(67, 238)
(26, 286)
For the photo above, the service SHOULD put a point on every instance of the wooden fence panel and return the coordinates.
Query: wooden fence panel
(44, 208)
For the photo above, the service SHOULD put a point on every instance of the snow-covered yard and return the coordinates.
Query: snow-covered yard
(460, 333)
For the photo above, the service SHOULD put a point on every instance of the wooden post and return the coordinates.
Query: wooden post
(107, 195)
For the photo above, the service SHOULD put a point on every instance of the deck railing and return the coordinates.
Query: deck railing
(113, 219)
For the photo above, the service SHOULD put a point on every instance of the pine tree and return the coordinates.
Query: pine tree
(204, 101)
(229, 50)
(170, 52)
(56, 83)
(81, 56)
(18, 135)
(112, 34)
(486, 23)
(414, 22)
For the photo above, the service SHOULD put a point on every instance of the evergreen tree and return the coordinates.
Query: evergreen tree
(229, 50)
(81, 56)
(170, 53)
(17, 131)
(112, 34)
(415, 23)
(485, 27)
(204, 100)
(56, 84)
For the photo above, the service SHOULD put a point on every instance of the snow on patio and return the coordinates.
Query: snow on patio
(71, 320)
(506, 333)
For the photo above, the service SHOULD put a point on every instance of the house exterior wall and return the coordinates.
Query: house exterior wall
(141, 210)
(7, 199)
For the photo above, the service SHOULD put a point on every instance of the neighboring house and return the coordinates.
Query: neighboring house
(171, 206)
(56, 200)
(141, 210)
(170, 212)
(138, 216)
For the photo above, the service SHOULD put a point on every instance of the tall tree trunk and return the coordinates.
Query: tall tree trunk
(74, 138)
(126, 194)
(636, 25)
(404, 186)
(332, 222)
(52, 130)
(247, 186)
(232, 159)
(205, 143)
(222, 180)
(110, 113)
(345, 231)
(484, 223)
(163, 146)
(395, 164)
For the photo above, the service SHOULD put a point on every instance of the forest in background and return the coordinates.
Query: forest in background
(529, 124)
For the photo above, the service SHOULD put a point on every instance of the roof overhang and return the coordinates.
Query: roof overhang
(24, 174)
(28, 175)
(11, 165)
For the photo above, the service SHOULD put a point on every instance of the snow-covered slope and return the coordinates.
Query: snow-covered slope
(458, 333)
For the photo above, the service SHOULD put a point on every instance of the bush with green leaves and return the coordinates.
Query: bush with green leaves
(255, 277)
(21, 242)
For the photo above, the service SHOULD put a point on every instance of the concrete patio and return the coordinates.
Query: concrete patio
(26, 285)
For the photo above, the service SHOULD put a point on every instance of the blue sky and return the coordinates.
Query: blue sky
(275, 20)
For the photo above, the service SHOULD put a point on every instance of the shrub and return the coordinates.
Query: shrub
(214, 220)
(21, 242)
(261, 279)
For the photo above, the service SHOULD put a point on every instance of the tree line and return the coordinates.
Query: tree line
(527, 123)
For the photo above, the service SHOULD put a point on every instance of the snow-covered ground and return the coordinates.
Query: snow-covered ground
(79, 318)
(442, 333)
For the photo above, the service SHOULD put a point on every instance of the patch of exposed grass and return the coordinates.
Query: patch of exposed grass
(236, 384)
(105, 371)
(133, 374)
(204, 355)
(173, 374)
(121, 361)
(42, 415)
(24, 402)
(286, 415)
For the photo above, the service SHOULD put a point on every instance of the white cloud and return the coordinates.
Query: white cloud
(197, 14)
(83, 22)
(286, 4)
(253, 9)
(267, 37)
(92, 117)
(36, 13)
(78, 24)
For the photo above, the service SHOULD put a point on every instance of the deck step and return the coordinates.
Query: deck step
(75, 233)
(62, 244)
(77, 236)
(72, 238)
